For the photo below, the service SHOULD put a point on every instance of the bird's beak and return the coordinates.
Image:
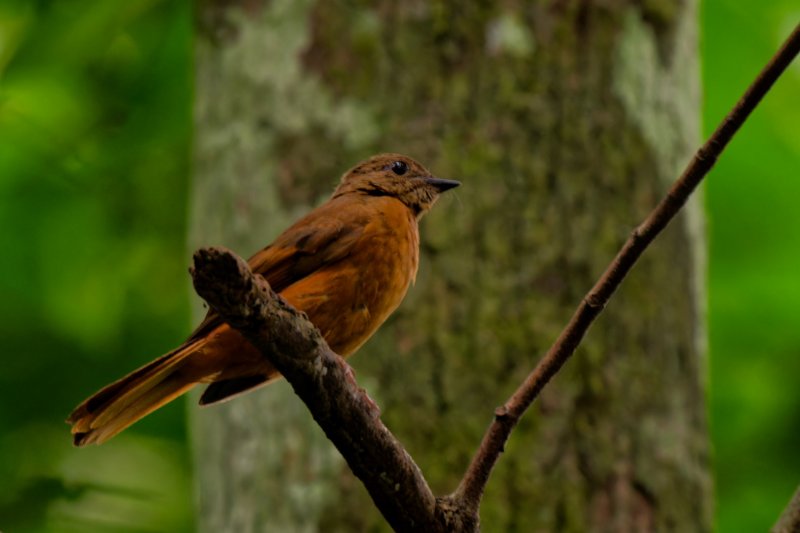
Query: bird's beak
(441, 184)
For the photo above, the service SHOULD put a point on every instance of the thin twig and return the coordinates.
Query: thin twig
(789, 521)
(471, 488)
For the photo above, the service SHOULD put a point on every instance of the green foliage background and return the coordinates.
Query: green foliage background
(754, 282)
(95, 126)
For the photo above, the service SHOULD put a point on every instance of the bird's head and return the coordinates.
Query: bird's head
(398, 176)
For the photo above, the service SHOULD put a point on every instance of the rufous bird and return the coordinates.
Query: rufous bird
(347, 264)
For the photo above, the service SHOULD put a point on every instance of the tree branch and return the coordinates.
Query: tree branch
(323, 380)
(789, 521)
(471, 488)
(351, 419)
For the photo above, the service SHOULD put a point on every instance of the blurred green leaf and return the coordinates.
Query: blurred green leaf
(754, 265)
(94, 141)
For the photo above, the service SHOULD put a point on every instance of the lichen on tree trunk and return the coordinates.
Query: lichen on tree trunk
(261, 462)
(565, 121)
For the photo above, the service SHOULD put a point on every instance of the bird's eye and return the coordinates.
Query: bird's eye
(399, 168)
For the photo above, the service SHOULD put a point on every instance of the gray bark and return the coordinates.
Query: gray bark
(261, 462)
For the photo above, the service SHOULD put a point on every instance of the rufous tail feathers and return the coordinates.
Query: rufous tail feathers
(120, 404)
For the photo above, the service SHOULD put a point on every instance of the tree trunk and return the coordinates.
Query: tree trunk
(565, 121)
(261, 462)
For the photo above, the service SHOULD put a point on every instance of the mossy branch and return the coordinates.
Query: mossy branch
(323, 380)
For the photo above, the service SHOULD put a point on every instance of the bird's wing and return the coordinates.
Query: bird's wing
(315, 241)
(305, 248)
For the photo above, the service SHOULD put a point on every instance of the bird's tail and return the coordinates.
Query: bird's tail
(120, 404)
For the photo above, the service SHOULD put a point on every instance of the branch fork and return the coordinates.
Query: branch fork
(351, 420)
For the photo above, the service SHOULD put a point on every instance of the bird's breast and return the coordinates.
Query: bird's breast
(351, 298)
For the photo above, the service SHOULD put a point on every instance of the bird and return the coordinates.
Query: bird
(347, 264)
